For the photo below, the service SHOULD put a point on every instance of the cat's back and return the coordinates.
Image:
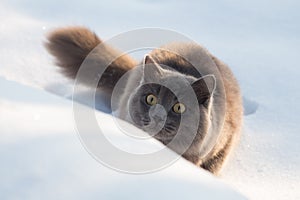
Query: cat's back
(188, 58)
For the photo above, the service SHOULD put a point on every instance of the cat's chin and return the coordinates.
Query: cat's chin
(162, 139)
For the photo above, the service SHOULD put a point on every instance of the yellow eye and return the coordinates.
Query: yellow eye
(151, 100)
(179, 108)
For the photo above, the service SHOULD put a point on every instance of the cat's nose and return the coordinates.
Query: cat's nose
(158, 112)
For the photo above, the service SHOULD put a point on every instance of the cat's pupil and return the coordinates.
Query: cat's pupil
(151, 99)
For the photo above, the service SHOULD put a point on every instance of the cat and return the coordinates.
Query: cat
(154, 107)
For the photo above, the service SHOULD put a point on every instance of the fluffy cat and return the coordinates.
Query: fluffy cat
(154, 107)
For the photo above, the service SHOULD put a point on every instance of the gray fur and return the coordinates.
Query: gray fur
(178, 65)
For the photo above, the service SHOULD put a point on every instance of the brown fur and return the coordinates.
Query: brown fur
(71, 46)
(233, 120)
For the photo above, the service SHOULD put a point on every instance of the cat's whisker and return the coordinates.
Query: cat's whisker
(169, 129)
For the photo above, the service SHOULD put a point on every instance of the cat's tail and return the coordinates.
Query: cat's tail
(72, 45)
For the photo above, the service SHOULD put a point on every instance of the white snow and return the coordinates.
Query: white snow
(41, 156)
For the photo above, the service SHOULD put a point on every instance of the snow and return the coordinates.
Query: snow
(42, 157)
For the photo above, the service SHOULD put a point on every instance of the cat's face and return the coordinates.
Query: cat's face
(157, 110)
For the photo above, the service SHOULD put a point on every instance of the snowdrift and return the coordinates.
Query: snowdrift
(42, 158)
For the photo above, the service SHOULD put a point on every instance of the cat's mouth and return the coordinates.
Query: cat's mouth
(158, 128)
(164, 134)
(153, 128)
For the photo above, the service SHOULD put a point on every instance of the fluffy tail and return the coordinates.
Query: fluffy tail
(70, 46)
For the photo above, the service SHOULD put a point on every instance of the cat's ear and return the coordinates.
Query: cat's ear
(151, 70)
(204, 88)
(148, 59)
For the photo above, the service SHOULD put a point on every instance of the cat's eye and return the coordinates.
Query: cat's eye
(151, 100)
(179, 108)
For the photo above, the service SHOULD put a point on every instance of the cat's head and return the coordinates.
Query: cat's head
(157, 110)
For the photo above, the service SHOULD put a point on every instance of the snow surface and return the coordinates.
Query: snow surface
(42, 158)
(41, 155)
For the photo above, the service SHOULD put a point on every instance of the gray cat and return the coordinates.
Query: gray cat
(156, 95)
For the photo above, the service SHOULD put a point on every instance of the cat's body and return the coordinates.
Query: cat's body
(219, 99)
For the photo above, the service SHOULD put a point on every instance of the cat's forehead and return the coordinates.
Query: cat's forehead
(176, 80)
(167, 81)
(175, 85)
(179, 80)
